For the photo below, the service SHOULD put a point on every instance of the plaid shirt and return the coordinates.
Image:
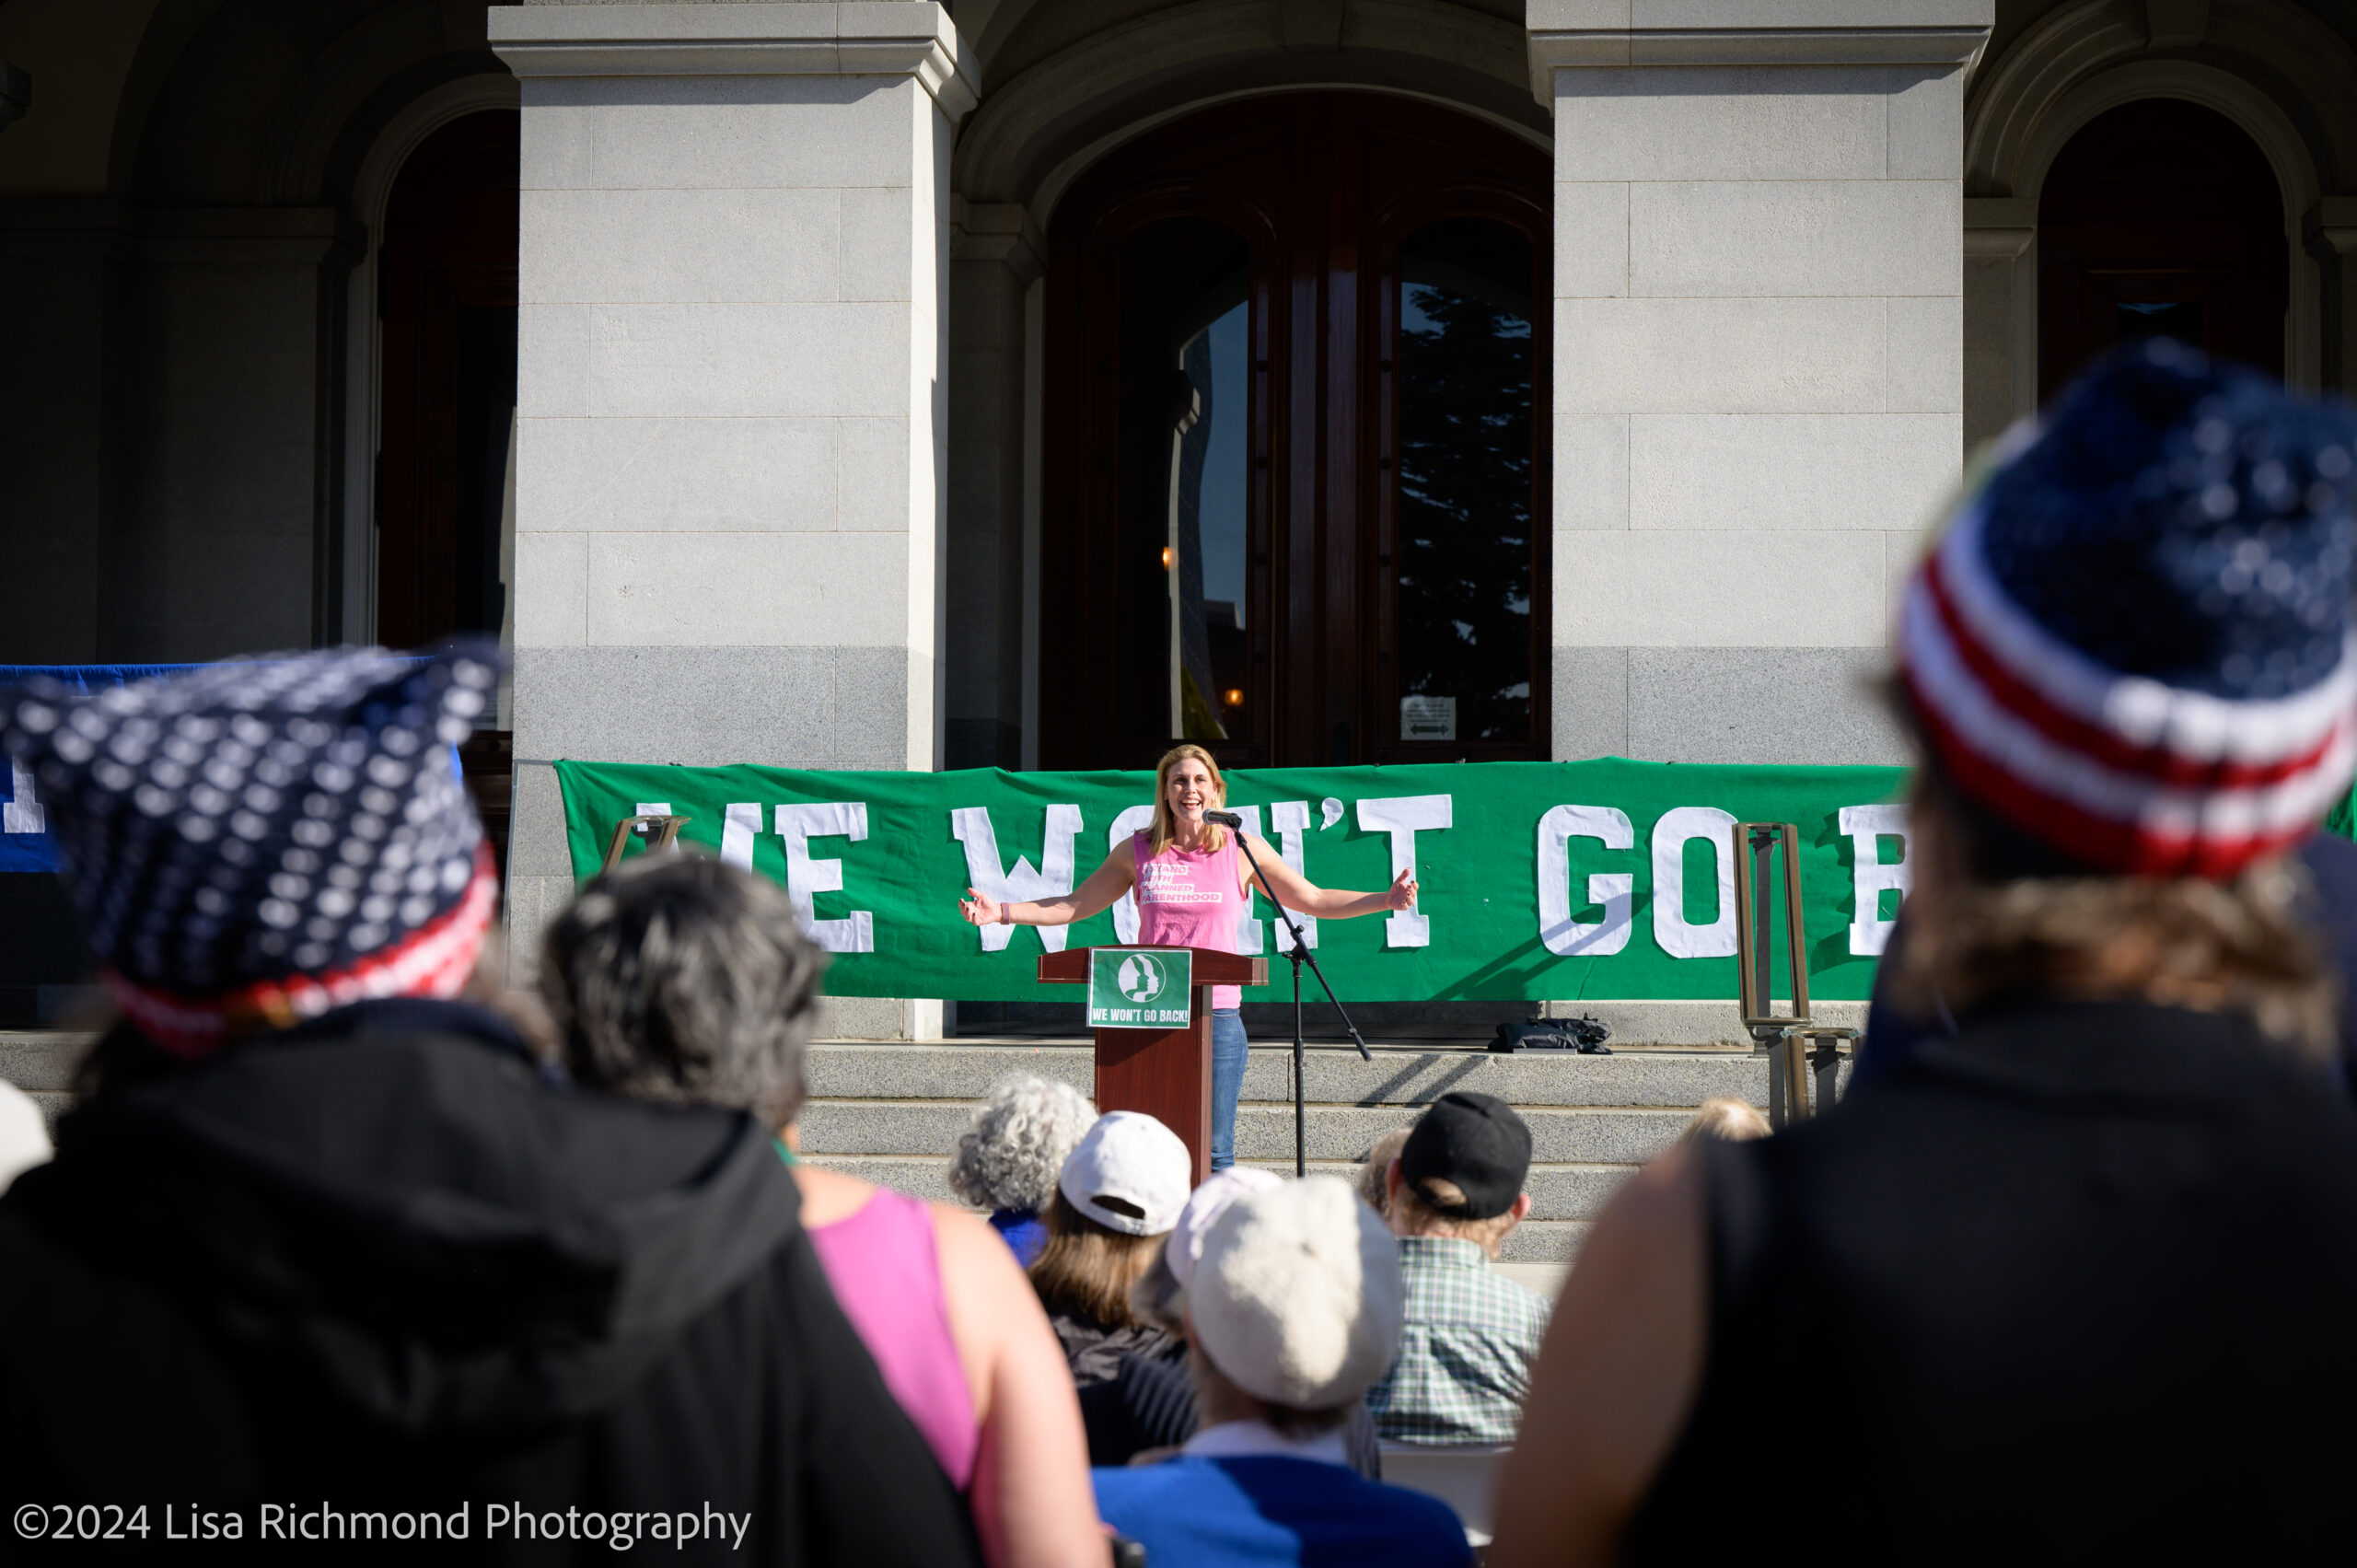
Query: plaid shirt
(1465, 1356)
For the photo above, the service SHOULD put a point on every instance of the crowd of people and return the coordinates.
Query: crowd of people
(338, 1218)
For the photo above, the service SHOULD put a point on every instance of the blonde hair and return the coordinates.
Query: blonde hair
(1086, 1269)
(1412, 1214)
(1165, 826)
(1726, 1120)
(1157, 1298)
(1987, 920)
(2181, 941)
(1374, 1175)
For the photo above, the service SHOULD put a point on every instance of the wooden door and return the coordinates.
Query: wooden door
(2160, 217)
(1245, 432)
(446, 312)
(446, 304)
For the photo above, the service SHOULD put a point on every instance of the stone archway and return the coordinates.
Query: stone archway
(372, 189)
(2159, 217)
(1068, 82)
(2280, 74)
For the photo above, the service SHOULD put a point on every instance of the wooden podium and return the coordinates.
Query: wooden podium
(1165, 1073)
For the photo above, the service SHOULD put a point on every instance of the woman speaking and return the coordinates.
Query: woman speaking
(1193, 890)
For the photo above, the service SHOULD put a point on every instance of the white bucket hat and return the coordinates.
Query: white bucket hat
(1128, 1173)
(1210, 1201)
(1297, 1297)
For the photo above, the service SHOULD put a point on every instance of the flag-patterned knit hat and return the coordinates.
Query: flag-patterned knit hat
(2134, 643)
(252, 843)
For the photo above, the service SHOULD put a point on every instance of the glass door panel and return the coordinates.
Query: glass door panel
(1464, 557)
(1182, 569)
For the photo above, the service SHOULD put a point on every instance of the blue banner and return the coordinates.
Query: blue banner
(26, 843)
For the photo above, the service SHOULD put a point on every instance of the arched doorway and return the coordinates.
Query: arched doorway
(446, 484)
(2160, 217)
(1296, 439)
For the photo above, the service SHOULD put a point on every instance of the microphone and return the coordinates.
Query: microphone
(1224, 820)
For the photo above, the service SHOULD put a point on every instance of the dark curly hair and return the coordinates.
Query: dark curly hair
(678, 977)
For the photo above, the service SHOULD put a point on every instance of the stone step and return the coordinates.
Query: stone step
(1557, 1192)
(39, 1061)
(1332, 1076)
(1558, 1135)
(1406, 1075)
(891, 1112)
(1639, 1024)
(1563, 1200)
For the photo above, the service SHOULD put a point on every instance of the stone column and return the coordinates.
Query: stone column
(1758, 360)
(171, 429)
(234, 539)
(2000, 315)
(998, 256)
(732, 417)
(2331, 234)
(66, 269)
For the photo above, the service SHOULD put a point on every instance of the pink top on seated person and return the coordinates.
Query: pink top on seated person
(1191, 899)
(886, 1269)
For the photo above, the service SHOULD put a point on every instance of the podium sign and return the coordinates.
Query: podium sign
(1151, 1011)
(1141, 988)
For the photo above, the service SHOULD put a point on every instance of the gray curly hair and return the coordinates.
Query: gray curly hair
(1011, 1156)
(677, 978)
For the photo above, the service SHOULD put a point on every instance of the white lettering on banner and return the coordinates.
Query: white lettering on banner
(1247, 928)
(1676, 830)
(1867, 826)
(806, 878)
(1050, 878)
(740, 824)
(1614, 891)
(1291, 819)
(24, 812)
(1403, 816)
(1117, 839)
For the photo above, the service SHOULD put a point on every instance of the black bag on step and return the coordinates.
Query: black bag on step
(1584, 1035)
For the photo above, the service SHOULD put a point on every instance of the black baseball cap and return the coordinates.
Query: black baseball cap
(1475, 1141)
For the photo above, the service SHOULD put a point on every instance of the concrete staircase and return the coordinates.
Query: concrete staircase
(892, 1113)
(42, 1062)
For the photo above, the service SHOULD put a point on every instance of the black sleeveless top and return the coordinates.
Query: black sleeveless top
(2079, 1287)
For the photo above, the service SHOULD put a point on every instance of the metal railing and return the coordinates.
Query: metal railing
(1795, 1044)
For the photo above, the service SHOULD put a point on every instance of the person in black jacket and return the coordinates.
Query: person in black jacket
(2075, 1285)
(325, 1256)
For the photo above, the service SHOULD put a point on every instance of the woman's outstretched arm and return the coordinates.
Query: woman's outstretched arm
(1104, 884)
(1302, 896)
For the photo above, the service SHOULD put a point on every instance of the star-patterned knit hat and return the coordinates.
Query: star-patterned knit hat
(254, 843)
(2134, 644)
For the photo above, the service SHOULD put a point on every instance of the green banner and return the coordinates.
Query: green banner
(1538, 880)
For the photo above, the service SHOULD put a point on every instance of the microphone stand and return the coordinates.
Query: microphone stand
(1300, 951)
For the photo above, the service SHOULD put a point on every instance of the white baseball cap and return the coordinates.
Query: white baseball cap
(1203, 1210)
(1297, 1297)
(1128, 1173)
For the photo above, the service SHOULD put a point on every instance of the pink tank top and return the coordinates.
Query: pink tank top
(886, 1272)
(1190, 900)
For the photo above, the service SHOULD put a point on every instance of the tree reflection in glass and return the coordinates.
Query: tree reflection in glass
(1464, 512)
(1182, 660)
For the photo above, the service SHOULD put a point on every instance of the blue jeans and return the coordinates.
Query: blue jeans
(1228, 1056)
